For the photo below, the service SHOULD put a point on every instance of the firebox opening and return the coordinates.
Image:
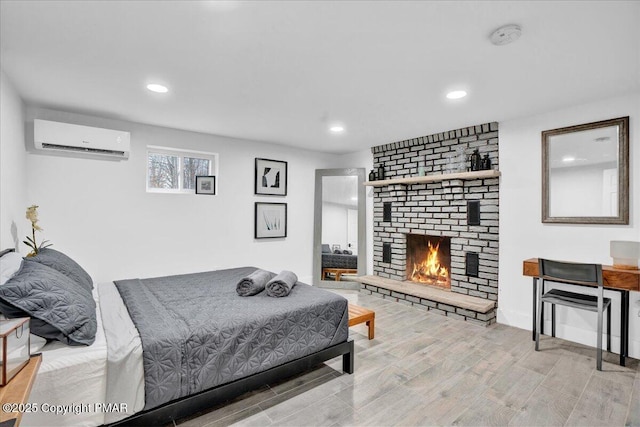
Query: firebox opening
(429, 260)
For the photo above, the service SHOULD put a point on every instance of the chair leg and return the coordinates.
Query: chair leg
(609, 328)
(599, 346)
(553, 320)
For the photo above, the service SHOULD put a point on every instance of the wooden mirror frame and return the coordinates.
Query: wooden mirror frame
(623, 174)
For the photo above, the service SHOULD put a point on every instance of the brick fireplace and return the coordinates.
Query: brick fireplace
(461, 215)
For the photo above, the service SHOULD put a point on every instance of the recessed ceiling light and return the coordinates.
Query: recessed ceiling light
(154, 87)
(568, 159)
(337, 129)
(456, 94)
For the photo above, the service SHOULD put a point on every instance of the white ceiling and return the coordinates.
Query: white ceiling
(284, 71)
(340, 190)
(588, 147)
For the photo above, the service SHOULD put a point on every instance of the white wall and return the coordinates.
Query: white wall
(99, 213)
(13, 171)
(334, 219)
(572, 189)
(522, 234)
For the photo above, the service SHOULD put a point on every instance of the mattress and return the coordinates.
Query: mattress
(339, 261)
(73, 379)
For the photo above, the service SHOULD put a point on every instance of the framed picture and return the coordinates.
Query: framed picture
(271, 220)
(206, 185)
(271, 177)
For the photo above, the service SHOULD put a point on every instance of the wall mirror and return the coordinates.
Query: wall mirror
(585, 173)
(339, 240)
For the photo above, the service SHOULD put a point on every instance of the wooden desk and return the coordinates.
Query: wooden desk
(615, 279)
(17, 391)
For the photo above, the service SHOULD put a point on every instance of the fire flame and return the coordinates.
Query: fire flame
(430, 271)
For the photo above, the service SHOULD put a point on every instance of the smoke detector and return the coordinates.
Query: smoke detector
(505, 35)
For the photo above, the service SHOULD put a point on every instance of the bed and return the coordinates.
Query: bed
(168, 347)
(338, 263)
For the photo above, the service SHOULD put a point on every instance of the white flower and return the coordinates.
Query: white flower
(32, 213)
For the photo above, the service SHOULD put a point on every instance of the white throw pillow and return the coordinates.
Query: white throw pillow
(9, 264)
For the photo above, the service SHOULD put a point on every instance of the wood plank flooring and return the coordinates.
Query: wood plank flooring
(424, 369)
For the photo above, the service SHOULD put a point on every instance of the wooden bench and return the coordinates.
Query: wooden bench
(359, 315)
(338, 272)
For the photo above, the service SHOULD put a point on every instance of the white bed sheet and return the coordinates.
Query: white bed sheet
(74, 382)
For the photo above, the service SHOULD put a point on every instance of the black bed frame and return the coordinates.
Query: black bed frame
(193, 404)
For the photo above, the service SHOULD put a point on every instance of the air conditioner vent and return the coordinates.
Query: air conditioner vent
(82, 149)
(78, 140)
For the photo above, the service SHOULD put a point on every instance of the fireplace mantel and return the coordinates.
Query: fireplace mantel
(435, 178)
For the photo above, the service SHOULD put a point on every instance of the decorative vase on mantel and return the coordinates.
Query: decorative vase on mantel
(486, 162)
(476, 160)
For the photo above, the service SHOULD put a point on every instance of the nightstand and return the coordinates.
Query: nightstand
(18, 390)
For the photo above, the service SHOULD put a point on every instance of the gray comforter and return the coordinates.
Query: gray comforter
(197, 332)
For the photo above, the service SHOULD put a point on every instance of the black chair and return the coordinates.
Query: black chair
(574, 274)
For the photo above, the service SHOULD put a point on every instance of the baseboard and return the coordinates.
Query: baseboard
(570, 333)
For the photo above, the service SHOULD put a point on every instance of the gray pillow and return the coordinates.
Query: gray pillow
(65, 265)
(60, 308)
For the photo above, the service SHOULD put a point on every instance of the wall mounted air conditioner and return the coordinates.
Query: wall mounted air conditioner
(81, 140)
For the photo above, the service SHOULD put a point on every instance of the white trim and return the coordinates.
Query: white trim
(179, 150)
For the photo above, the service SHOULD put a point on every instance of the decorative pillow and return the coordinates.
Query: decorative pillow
(9, 264)
(65, 265)
(347, 252)
(337, 252)
(60, 309)
(326, 249)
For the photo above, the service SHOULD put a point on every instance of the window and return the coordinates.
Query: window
(192, 167)
(174, 171)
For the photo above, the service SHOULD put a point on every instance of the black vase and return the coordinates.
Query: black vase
(372, 175)
(486, 162)
(476, 159)
(380, 173)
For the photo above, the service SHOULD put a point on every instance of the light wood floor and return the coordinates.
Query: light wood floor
(425, 369)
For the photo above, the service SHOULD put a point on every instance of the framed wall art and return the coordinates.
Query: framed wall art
(271, 177)
(206, 185)
(270, 220)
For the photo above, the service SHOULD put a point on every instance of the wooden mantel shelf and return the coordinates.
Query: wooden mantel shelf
(435, 178)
